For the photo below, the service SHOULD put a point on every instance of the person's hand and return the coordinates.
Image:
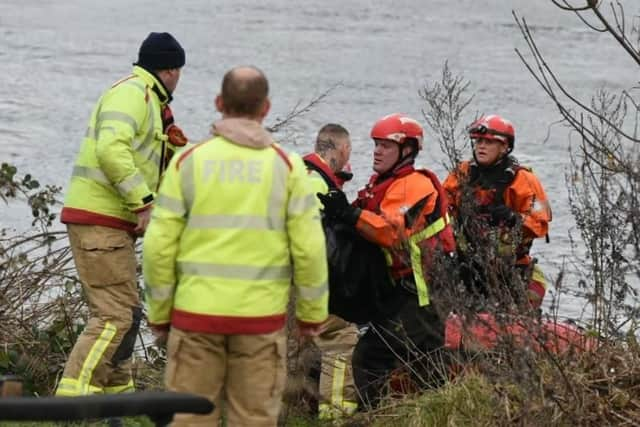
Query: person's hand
(161, 334)
(337, 206)
(502, 215)
(310, 330)
(334, 202)
(143, 221)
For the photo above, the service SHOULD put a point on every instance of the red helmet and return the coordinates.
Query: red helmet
(495, 128)
(397, 127)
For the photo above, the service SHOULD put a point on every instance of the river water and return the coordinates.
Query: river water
(58, 56)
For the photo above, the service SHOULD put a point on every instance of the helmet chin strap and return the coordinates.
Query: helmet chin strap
(402, 160)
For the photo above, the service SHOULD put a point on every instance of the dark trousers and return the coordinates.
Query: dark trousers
(412, 338)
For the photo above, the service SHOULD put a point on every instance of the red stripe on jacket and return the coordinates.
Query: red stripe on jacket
(229, 325)
(211, 324)
(80, 216)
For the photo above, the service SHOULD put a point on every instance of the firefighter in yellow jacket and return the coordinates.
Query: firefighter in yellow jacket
(235, 224)
(108, 203)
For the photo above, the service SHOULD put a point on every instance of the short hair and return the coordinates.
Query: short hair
(327, 133)
(244, 95)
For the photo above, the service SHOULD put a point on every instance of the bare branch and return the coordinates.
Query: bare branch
(297, 111)
(566, 6)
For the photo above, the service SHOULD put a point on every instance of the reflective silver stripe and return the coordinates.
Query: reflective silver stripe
(235, 221)
(309, 293)
(150, 134)
(90, 133)
(299, 205)
(95, 355)
(278, 192)
(146, 149)
(160, 292)
(187, 182)
(91, 173)
(105, 128)
(118, 117)
(170, 203)
(129, 184)
(242, 272)
(154, 157)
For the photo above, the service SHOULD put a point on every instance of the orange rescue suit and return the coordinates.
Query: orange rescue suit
(523, 195)
(521, 191)
(396, 208)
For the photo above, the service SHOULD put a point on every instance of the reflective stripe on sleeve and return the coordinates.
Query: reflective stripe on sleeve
(171, 204)
(150, 133)
(312, 293)
(159, 292)
(130, 183)
(91, 173)
(117, 116)
(299, 205)
(187, 182)
(91, 133)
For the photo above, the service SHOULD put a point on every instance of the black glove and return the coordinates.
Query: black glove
(336, 206)
(502, 215)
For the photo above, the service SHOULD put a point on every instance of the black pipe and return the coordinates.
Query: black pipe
(158, 406)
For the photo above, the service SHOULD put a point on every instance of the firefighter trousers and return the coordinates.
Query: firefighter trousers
(100, 361)
(247, 372)
(337, 392)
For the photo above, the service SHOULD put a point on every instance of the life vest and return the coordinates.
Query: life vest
(314, 162)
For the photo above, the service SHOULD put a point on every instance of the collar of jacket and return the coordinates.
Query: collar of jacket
(503, 170)
(318, 163)
(242, 131)
(154, 82)
(372, 194)
(397, 172)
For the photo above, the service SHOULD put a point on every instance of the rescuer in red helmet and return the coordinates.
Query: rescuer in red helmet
(499, 206)
(404, 211)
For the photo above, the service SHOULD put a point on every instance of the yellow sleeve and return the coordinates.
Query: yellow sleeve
(307, 246)
(160, 246)
(118, 121)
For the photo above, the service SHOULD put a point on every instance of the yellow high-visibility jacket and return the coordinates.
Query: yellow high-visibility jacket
(235, 223)
(118, 167)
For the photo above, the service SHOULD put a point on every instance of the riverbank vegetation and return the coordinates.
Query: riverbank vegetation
(522, 381)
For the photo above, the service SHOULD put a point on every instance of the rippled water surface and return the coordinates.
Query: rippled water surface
(58, 56)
